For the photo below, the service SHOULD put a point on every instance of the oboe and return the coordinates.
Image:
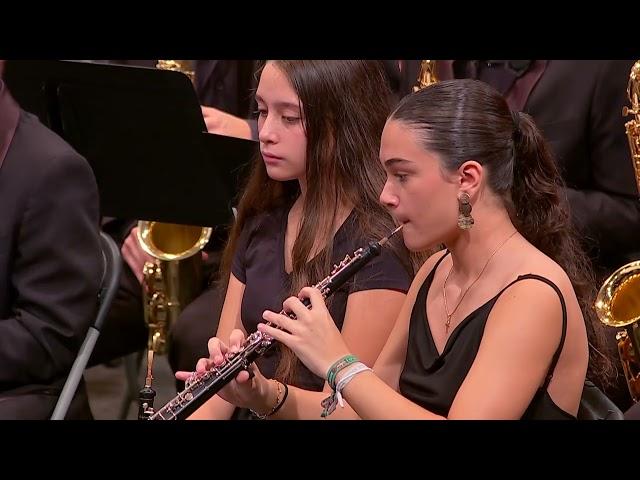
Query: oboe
(202, 386)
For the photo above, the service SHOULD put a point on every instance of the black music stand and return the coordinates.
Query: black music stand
(143, 133)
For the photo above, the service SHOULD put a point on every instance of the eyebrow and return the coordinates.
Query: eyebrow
(281, 105)
(395, 161)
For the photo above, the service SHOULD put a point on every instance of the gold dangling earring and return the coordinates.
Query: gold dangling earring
(465, 220)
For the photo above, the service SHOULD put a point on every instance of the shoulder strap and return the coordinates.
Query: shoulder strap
(435, 267)
(556, 355)
(422, 293)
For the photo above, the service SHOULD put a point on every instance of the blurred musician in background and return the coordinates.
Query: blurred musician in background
(50, 263)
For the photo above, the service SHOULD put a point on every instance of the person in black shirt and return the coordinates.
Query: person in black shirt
(226, 90)
(311, 199)
(496, 327)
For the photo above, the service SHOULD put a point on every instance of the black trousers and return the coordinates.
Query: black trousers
(189, 336)
(124, 330)
(33, 402)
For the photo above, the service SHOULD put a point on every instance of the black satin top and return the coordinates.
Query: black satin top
(432, 380)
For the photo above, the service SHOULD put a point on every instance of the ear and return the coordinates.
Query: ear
(470, 176)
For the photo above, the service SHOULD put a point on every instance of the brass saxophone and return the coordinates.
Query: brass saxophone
(632, 127)
(427, 75)
(203, 386)
(174, 278)
(618, 301)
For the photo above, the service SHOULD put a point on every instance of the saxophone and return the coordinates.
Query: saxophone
(618, 301)
(427, 75)
(174, 277)
(202, 386)
(632, 127)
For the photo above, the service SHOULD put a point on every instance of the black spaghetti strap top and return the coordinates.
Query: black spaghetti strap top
(432, 380)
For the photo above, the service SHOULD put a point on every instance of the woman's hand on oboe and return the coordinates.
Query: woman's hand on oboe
(313, 335)
(250, 389)
(217, 352)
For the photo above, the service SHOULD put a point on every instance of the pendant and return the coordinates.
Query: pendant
(447, 323)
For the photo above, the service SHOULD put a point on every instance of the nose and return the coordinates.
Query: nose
(387, 197)
(266, 131)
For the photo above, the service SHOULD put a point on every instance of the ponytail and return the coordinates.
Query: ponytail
(541, 215)
(540, 211)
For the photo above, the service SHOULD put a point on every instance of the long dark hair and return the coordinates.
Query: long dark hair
(468, 119)
(345, 104)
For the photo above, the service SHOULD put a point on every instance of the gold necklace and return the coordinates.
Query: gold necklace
(444, 287)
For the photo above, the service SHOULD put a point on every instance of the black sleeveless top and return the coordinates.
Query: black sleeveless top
(432, 380)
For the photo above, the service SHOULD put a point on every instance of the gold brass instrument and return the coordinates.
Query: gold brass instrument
(618, 301)
(182, 66)
(618, 305)
(632, 127)
(174, 278)
(427, 75)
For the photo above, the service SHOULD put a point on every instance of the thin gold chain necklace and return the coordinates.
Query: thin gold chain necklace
(444, 287)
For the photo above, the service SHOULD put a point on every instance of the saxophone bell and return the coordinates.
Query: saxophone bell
(174, 278)
(618, 305)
